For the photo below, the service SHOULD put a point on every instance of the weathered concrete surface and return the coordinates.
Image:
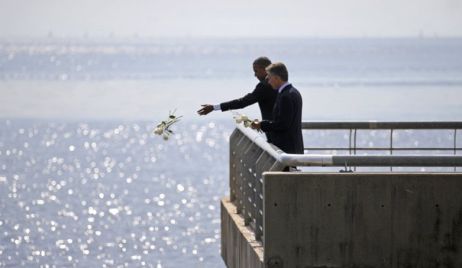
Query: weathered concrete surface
(378, 220)
(238, 246)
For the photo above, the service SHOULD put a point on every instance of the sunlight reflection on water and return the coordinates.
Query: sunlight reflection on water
(106, 194)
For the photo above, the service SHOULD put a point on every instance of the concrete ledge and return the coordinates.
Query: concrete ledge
(363, 220)
(239, 249)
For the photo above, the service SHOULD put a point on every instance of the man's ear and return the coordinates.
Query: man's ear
(279, 79)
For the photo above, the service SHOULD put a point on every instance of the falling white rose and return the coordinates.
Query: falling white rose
(163, 128)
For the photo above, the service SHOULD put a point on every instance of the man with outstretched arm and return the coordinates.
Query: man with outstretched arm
(263, 94)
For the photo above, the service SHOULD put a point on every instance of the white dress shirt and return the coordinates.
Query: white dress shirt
(283, 86)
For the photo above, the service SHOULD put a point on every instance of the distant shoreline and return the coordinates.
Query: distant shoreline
(189, 39)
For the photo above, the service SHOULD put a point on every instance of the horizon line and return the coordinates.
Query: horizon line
(211, 37)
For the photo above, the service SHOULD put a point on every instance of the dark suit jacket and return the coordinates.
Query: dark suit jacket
(286, 125)
(264, 94)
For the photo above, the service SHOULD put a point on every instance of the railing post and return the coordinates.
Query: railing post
(455, 146)
(264, 163)
(240, 179)
(235, 136)
(391, 146)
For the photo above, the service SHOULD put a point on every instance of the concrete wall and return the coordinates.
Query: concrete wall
(238, 246)
(362, 220)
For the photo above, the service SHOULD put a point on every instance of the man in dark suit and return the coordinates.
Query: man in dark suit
(263, 94)
(286, 125)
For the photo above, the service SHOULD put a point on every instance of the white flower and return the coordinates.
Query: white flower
(163, 128)
(244, 119)
(241, 118)
(158, 131)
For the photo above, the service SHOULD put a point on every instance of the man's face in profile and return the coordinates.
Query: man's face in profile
(260, 72)
(274, 80)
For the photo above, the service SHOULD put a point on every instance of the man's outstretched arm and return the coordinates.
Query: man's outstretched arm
(240, 103)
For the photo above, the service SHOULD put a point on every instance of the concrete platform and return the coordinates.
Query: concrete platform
(239, 249)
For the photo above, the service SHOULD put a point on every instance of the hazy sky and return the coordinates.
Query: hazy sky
(229, 18)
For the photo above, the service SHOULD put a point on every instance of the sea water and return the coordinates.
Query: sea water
(85, 183)
(109, 194)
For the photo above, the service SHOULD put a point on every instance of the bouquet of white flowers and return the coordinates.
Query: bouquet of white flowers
(242, 118)
(163, 128)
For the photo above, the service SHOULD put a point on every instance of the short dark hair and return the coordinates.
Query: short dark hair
(278, 69)
(262, 62)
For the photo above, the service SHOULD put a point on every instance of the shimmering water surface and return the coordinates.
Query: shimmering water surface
(105, 194)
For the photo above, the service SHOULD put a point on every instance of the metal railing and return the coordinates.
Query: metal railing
(353, 128)
(251, 155)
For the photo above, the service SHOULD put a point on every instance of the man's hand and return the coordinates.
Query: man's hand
(206, 108)
(256, 125)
